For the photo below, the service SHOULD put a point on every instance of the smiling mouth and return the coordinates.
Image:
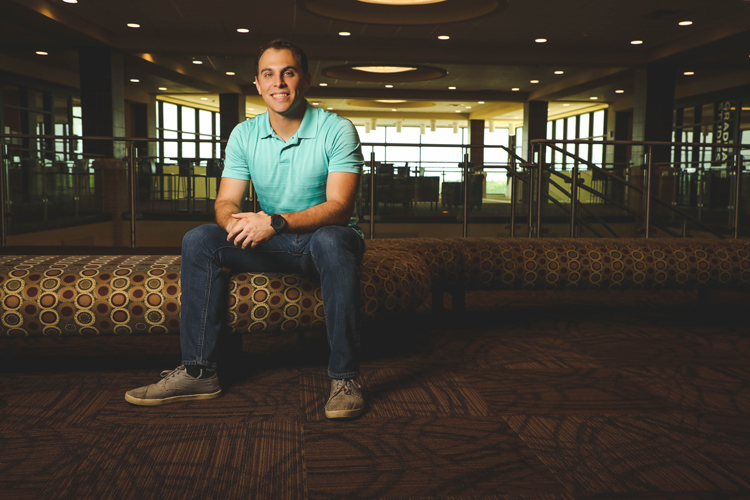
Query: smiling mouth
(280, 95)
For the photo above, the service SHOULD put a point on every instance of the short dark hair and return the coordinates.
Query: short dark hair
(281, 44)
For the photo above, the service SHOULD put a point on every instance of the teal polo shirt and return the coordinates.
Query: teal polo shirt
(291, 176)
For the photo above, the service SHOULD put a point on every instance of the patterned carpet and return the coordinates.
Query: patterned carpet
(531, 395)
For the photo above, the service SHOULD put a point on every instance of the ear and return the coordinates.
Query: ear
(307, 80)
(257, 86)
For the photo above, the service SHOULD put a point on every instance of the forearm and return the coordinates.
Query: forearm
(329, 213)
(224, 210)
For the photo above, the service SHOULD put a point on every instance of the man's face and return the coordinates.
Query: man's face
(281, 83)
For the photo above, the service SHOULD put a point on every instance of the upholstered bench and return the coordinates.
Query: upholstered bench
(601, 264)
(121, 295)
(91, 295)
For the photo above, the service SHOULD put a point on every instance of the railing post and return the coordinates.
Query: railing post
(131, 175)
(573, 199)
(737, 194)
(372, 194)
(466, 194)
(649, 159)
(513, 198)
(539, 197)
(531, 190)
(3, 194)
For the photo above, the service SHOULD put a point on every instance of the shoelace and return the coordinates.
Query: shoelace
(345, 387)
(168, 373)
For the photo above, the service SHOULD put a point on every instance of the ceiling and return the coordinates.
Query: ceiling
(486, 56)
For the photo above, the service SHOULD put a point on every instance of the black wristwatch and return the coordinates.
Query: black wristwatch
(278, 223)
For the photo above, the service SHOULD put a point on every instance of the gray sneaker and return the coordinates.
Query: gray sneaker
(345, 400)
(175, 385)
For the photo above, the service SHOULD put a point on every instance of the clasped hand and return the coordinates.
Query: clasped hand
(250, 229)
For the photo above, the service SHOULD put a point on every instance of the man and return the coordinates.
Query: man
(305, 165)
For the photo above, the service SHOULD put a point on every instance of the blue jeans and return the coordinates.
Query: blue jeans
(331, 256)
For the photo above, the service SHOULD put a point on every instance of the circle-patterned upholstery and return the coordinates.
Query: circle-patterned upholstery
(601, 263)
(114, 294)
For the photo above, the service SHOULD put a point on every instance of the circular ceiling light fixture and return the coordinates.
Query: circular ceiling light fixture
(230, 73)
(389, 103)
(391, 73)
(162, 88)
(389, 86)
(196, 61)
(541, 40)
(533, 81)
(384, 69)
(134, 25)
(42, 53)
(344, 33)
(243, 30)
(70, 1)
(559, 72)
(689, 73)
(619, 91)
(404, 12)
(685, 23)
(401, 2)
(444, 37)
(515, 89)
(636, 42)
(135, 80)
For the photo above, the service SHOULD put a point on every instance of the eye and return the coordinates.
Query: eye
(289, 73)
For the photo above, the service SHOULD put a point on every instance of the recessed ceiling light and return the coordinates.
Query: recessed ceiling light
(516, 117)
(70, 1)
(685, 23)
(480, 102)
(468, 107)
(134, 80)
(689, 73)
(533, 81)
(559, 72)
(451, 88)
(566, 104)
(394, 109)
(243, 30)
(197, 62)
(389, 86)
(384, 69)
(636, 42)
(515, 89)
(344, 33)
(594, 98)
(162, 88)
(230, 73)
(41, 53)
(541, 40)
(323, 84)
(315, 103)
(251, 109)
(458, 111)
(329, 109)
(619, 91)
(204, 98)
(390, 101)
(444, 37)
(134, 25)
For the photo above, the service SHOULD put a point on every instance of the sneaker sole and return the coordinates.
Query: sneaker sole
(174, 399)
(343, 413)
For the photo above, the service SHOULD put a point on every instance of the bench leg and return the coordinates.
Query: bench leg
(459, 300)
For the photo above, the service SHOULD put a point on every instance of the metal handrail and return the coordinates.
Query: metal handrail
(551, 143)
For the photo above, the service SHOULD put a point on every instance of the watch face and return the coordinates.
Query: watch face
(278, 222)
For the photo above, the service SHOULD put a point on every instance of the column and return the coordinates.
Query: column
(534, 125)
(102, 100)
(231, 112)
(653, 109)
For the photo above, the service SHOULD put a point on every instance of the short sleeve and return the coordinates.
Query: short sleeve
(345, 151)
(235, 161)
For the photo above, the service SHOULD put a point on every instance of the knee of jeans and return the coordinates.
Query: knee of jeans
(334, 240)
(194, 238)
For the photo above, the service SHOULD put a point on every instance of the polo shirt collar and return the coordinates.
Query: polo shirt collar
(308, 129)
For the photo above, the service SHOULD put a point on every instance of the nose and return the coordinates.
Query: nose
(280, 81)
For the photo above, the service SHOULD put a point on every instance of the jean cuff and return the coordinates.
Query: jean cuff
(199, 363)
(342, 376)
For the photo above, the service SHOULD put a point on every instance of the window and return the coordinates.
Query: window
(186, 131)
